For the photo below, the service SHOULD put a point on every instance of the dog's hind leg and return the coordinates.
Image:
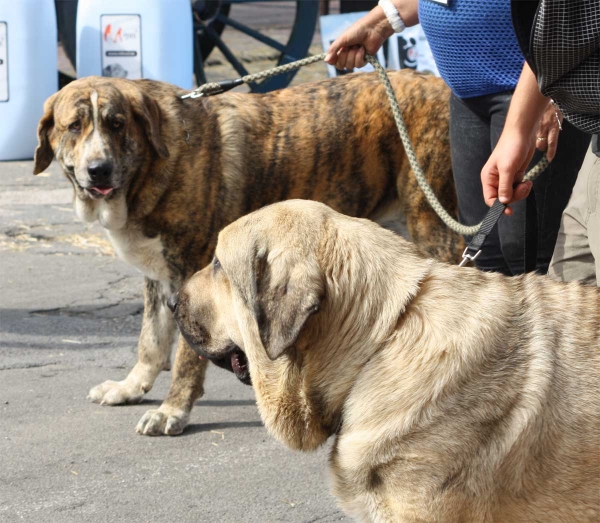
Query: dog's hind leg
(154, 350)
(186, 387)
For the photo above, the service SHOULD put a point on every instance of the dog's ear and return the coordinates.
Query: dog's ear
(147, 110)
(43, 153)
(287, 293)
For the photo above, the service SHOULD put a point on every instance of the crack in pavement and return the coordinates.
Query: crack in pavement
(321, 518)
(67, 310)
(122, 278)
(26, 366)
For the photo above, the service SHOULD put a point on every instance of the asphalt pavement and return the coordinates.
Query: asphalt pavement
(70, 313)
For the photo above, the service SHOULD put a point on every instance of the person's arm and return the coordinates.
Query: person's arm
(368, 34)
(516, 146)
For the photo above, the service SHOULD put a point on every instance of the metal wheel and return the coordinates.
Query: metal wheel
(211, 17)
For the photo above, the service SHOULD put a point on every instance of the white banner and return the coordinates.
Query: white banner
(122, 46)
(410, 50)
(3, 62)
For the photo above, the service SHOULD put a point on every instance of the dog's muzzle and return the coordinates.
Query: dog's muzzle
(232, 358)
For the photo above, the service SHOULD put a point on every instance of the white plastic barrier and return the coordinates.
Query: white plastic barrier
(136, 39)
(28, 72)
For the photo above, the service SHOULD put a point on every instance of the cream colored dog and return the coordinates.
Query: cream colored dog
(453, 395)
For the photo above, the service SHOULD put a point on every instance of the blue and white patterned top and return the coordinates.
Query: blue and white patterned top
(473, 44)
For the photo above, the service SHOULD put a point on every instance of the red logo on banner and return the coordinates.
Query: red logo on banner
(118, 34)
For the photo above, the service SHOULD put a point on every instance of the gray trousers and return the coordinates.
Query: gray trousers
(577, 251)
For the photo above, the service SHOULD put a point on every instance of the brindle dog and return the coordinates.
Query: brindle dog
(163, 175)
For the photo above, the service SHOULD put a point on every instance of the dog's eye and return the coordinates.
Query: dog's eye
(216, 263)
(117, 124)
(75, 127)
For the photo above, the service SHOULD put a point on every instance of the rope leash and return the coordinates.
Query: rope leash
(213, 88)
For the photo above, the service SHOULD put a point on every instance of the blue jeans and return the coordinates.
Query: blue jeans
(475, 127)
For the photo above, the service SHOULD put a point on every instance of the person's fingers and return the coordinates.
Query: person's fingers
(519, 175)
(508, 176)
(507, 165)
(522, 190)
(341, 59)
(489, 181)
(332, 53)
(353, 36)
(505, 183)
(350, 61)
(334, 49)
(553, 135)
(541, 143)
(360, 57)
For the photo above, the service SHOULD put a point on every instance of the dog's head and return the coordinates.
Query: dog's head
(250, 311)
(100, 130)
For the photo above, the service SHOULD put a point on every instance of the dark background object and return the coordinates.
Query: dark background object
(354, 6)
(66, 17)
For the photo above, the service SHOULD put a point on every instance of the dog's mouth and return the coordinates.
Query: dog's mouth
(232, 358)
(96, 192)
(100, 191)
(235, 361)
(228, 355)
(104, 190)
(239, 365)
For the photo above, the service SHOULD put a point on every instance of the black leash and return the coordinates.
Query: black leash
(473, 250)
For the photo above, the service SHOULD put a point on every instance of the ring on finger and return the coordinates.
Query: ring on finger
(540, 139)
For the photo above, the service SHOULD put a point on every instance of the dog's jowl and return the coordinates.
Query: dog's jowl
(453, 395)
(163, 175)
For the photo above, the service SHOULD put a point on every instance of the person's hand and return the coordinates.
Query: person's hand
(505, 167)
(547, 133)
(366, 34)
(502, 175)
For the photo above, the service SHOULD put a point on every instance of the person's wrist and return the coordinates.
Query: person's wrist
(381, 24)
(392, 15)
(520, 129)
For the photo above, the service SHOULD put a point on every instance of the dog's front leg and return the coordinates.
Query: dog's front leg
(187, 386)
(154, 350)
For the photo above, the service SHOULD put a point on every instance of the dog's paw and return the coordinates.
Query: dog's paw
(165, 420)
(116, 393)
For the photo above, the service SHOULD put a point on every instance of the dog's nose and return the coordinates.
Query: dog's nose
(172, 302)
(100, 170)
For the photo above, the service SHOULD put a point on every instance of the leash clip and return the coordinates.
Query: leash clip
(213, 89)
(192, 95)
(466, 257)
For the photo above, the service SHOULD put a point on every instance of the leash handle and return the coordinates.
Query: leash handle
(473, 250)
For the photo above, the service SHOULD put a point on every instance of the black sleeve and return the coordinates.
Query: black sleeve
(561, 43)
(523, 15)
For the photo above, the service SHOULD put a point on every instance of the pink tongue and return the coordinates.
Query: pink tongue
(103, 190)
